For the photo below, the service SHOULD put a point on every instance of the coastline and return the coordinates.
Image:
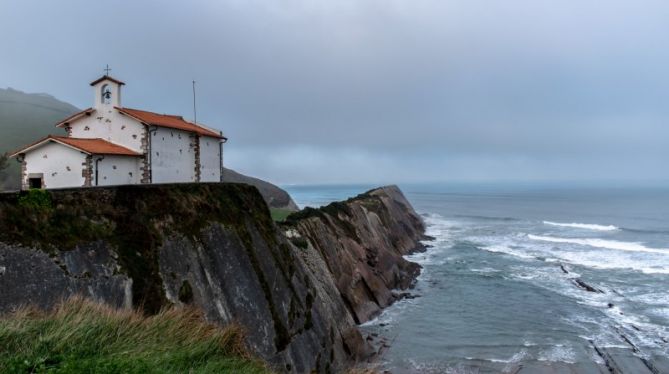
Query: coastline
(569, 287)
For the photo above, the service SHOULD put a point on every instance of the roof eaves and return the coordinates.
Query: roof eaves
(38, 143)
(108, 78)
(75, 117)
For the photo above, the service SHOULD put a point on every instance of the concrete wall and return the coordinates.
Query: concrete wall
(117, 170)
(210, 159)
(172, 156)
(108, 124)
(61, 166)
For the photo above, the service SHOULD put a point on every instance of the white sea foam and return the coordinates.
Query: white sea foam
(440, 229)
(484, 270)
(601, 243)
(500, 248)
(654, 270)
(586, 226)
(605, 259)
(558, 353)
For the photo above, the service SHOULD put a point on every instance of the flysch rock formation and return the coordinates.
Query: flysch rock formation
(214, 246)
(362, 242)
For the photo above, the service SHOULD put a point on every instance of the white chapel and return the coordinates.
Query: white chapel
(109, 144)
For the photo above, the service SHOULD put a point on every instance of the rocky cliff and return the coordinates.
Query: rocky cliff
(215, 246)
(362, 241)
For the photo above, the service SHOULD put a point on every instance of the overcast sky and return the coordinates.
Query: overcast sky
(375, 91)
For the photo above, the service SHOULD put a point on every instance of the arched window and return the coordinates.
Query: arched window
(105, 94)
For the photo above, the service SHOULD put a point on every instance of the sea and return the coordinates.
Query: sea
(498, 285)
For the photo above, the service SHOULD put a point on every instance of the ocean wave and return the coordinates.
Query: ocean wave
(487, 218)
(601, 243)
(507, 250)
(558, 353)
(586, 226)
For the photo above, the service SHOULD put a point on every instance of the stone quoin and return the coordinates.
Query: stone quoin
(108, 144)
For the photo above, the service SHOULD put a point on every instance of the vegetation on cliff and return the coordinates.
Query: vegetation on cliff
(82, 336)
(135, 219)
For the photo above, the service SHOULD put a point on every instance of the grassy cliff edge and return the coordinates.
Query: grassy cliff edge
(80, 335)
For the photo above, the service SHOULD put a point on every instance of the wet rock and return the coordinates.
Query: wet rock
(623, 361)
(581, 284)
(404, 295)
(359, 348)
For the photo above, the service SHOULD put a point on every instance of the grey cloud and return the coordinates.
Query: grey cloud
(312, 91)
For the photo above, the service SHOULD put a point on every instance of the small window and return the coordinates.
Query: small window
(35, 183)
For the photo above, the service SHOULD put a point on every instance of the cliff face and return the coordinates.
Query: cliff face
(215, 246)
(362, 241)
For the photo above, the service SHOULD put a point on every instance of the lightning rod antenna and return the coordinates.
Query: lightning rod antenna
(194, 106)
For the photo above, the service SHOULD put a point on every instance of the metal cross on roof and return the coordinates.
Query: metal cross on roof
(107, 70)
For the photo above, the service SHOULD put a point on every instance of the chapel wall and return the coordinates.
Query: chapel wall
(117, 170)
(60, 166)
(109, 124)
(172, 156)
(210, 159)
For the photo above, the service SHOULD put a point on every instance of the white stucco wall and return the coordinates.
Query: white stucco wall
(210, 159)
(108, 124)
(60, 165)
(115, 99)
(116, 170)
(172, 156)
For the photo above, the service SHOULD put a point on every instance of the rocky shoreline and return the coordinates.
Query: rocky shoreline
(299, 289)
(625, 359)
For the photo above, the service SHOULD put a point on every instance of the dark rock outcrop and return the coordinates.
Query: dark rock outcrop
(273, 195)
(362, 241)
(215, 246)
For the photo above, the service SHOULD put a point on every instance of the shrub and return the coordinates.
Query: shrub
(37, 199)
(185, 292)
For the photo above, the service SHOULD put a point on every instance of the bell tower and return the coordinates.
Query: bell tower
(106, 91)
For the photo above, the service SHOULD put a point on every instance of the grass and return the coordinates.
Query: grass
(81, 336)
(279, 215)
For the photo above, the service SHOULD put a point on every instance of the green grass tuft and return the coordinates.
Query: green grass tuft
(81, 336)
(279, 215)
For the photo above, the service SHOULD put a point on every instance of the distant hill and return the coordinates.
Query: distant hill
(25, 118)
(273, 195)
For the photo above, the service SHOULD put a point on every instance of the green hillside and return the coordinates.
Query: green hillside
(25, 118)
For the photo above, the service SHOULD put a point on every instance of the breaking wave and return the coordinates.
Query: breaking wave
(586, 226)
(601, 243)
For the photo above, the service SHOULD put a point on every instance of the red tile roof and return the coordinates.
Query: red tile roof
(106, 77)
(90, 146)
(171, 121)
